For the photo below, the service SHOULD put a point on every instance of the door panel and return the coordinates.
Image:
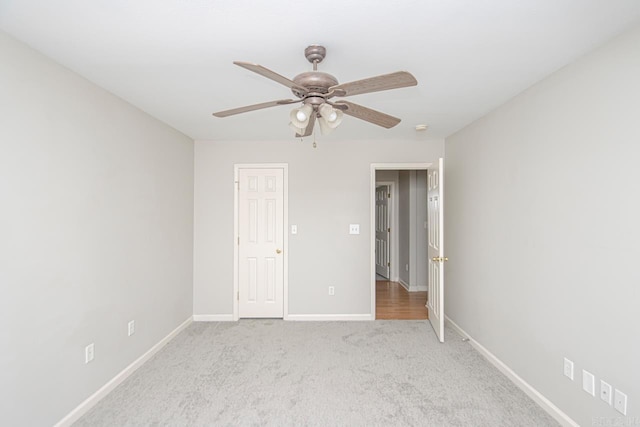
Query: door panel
(260, 243)
(435, 296)
(382, 231)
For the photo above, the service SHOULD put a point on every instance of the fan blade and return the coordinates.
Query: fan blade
(375, 84)
(239, 110)
(271, 75)
(369, 115)
(309, 130)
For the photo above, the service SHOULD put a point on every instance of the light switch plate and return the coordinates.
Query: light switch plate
(294, 229)
(354, 228)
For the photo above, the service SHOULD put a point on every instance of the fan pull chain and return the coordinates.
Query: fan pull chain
(314, 138)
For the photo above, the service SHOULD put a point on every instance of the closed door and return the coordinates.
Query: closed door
(435, 296)
(383, 230)
(260, 243)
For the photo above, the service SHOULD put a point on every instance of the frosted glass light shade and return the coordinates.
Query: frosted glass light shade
(331, 116)
(300, 116)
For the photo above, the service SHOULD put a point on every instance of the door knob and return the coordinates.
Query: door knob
(438, 259)
(435, 259)
(278, 251)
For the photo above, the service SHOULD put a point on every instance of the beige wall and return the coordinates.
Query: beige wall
(542, 230)
(95, 230)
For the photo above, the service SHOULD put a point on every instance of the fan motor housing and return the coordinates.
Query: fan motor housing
(314, 82)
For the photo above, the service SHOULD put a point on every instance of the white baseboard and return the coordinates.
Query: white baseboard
(84, 407)
(419, 288)
(213, 317)
(404, 284)
(329, 317)
(534, 394)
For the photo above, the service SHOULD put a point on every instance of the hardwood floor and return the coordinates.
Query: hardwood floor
(393, 301)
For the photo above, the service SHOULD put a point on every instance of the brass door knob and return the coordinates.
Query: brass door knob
(278, 251)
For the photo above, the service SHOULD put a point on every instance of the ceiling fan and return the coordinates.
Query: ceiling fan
(315, 90)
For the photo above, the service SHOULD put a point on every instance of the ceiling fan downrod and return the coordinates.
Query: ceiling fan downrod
(315, 54)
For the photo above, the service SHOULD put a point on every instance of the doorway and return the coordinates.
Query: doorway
(423, 254)
(400, 220)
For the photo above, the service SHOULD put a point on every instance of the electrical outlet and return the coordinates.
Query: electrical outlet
(332, 290)
(605, 392)
(568, 368)
(131, 327)
(588, 382)
(88, 353)
(620, 402)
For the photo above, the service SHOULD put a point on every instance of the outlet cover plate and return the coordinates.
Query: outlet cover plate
(354, 228)
(588, 382)
(89, 353)
(568, 368)
(620, 402)
(131, 327)
(605, 392)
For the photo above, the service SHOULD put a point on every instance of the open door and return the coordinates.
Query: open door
(435, 296)
(382, 231)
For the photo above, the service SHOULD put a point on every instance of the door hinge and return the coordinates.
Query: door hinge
(388, 264)
(238, 295)
(389, 230)
(238, 239)
(388, 195)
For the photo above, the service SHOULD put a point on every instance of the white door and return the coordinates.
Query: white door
(435, 296)
(382, 231)
(260, 243)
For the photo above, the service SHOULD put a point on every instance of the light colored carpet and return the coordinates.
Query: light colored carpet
(276, 373)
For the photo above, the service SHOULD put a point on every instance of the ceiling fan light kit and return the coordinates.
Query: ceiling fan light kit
(314, 89)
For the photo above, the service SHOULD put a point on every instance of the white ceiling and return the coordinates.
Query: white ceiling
(173, 58)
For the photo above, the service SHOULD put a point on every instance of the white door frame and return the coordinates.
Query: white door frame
(285, 248)
(393, 223)
(372, 211)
